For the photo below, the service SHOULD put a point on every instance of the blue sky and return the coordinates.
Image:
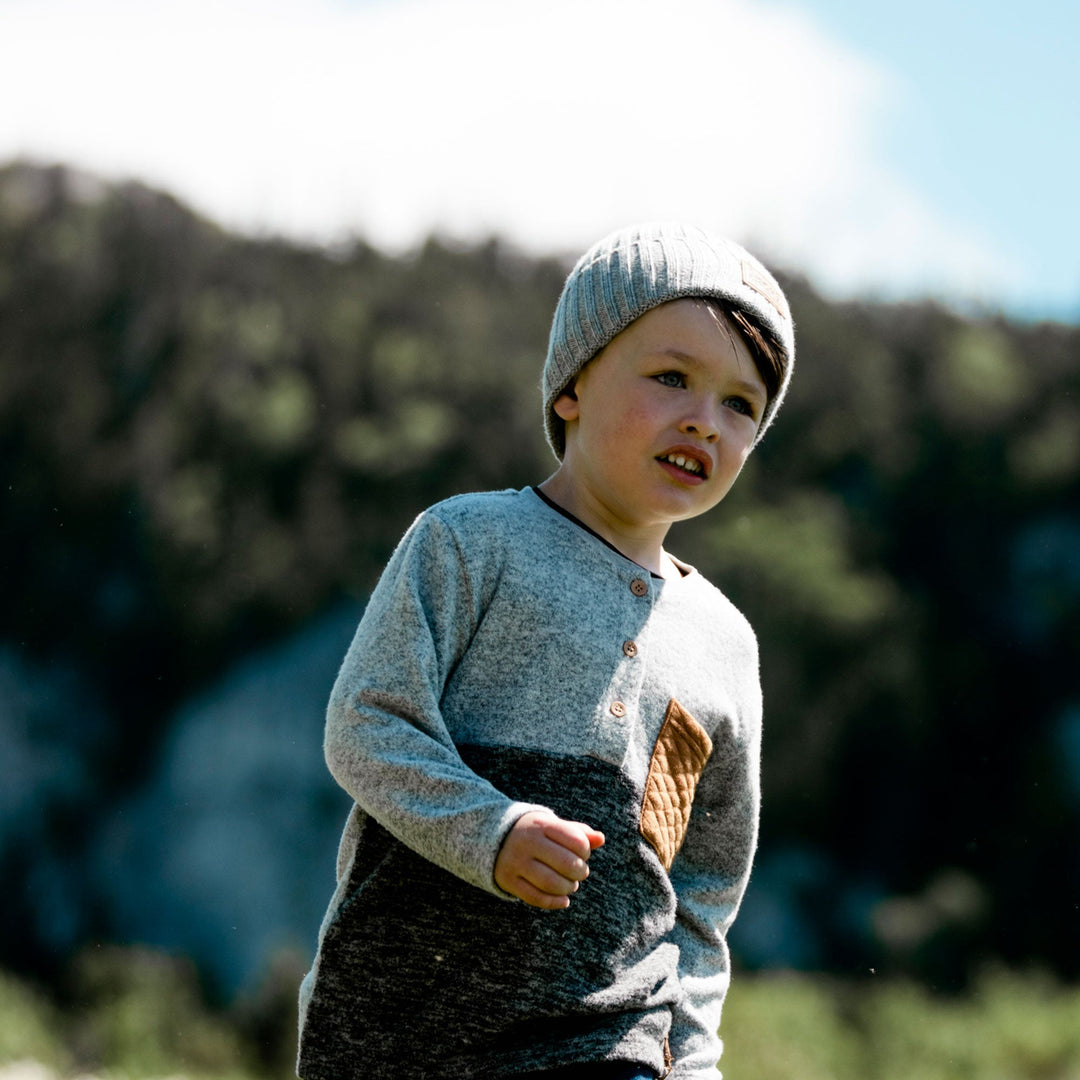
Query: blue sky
(901, 151)
(987, 124)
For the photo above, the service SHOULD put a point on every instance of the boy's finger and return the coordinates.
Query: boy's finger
(550, 879)
(572, 835)
(563, 861)
(532, 896)
(540, 886)
(594, 837)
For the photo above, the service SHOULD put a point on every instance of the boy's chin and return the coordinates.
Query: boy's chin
(691, 501)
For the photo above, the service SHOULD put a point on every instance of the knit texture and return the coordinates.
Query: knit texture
(635, 269)
(491, 675)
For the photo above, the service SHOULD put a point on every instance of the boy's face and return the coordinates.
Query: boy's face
(660, 421)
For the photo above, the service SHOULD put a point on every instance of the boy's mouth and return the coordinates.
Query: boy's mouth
(686, 463)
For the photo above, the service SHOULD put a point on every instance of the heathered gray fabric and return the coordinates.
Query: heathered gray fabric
(640, 267)
(478, 687)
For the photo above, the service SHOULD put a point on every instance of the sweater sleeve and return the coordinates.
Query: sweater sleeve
(386, 742)
(710, 875)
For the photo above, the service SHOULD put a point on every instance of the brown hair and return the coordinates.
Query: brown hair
(768, 354)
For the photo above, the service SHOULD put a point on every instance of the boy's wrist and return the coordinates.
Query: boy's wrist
(514, 813)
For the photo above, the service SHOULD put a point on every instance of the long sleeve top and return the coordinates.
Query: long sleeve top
(507, 661)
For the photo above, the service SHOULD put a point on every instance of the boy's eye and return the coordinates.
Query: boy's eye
(740, 404)
(671, 378)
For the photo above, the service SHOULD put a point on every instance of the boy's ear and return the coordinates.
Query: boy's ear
(566, 404)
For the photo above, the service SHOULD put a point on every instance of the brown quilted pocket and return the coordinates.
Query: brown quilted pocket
(682, 748)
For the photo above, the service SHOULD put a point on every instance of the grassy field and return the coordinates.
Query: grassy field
(1009, 1027)
(135, 1016)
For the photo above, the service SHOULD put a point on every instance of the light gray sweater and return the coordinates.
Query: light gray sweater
(510, 660)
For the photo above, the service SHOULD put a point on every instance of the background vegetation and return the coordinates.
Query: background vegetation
(207, 441)
(136, 1014)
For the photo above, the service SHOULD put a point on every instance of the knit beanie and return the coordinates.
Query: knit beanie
(624, 275)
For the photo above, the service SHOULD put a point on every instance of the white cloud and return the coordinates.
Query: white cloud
(549, 123)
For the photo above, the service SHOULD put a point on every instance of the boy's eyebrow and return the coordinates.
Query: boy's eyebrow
(744, 385)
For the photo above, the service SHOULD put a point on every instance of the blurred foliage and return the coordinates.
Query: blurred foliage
(29, 1026)
(1015, 1025)
(139, 1013)
(205, 439)
(136, 1014)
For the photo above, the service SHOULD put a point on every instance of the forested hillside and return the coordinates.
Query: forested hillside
(208, 441)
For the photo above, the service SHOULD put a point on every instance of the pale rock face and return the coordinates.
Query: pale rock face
(227, 852)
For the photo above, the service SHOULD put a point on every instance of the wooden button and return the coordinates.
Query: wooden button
(629, 648)
(639, 586)
(618, 708)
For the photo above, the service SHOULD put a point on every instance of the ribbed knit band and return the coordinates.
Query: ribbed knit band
(635, 269)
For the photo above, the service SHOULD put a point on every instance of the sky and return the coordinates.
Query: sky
(901, 151)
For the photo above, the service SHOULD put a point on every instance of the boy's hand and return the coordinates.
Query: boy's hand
(544, 858)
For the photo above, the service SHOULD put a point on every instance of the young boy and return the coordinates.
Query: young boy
(551, 727)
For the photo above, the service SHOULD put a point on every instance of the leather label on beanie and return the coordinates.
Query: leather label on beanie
(764, 285)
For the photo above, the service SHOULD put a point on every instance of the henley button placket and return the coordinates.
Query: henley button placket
(640, 588)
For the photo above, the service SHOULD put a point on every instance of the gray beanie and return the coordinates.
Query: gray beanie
(624, 275)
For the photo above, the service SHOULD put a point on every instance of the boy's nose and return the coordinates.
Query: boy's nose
(703, 423)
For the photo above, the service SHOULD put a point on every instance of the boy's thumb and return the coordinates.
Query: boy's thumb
(596, 838)
(583, 834)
